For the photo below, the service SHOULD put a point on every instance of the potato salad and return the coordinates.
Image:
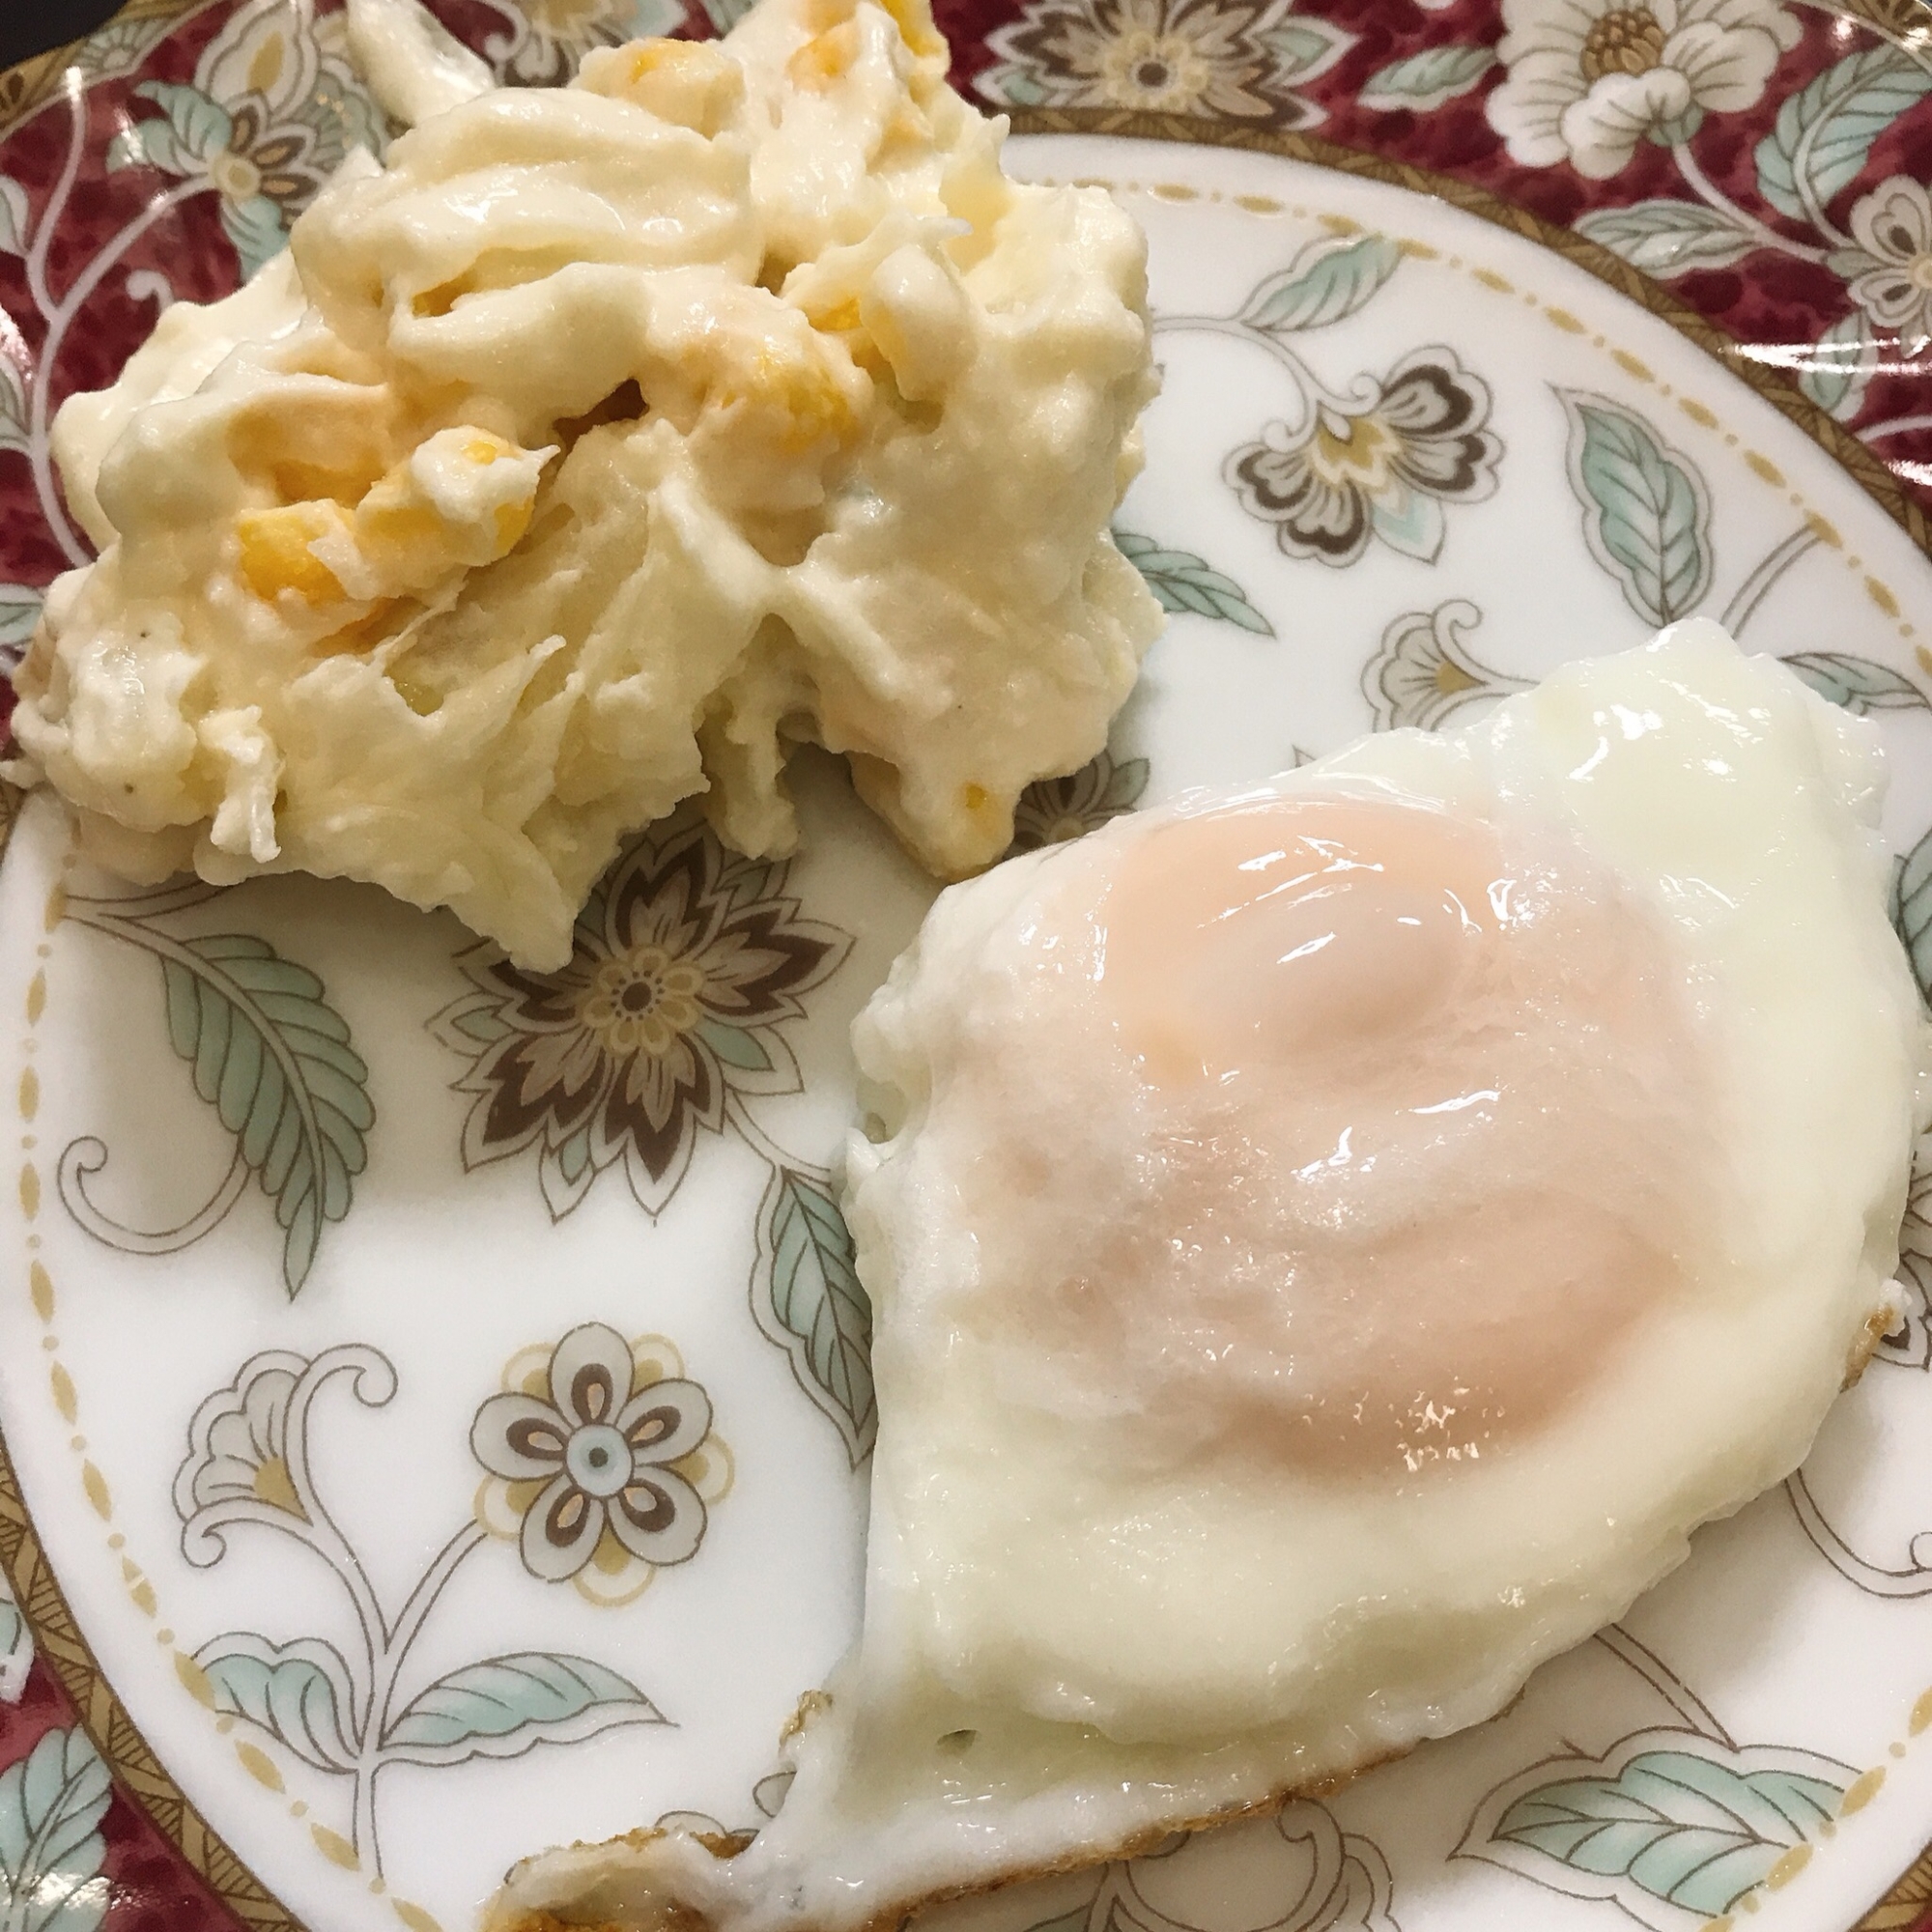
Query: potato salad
(602, 447)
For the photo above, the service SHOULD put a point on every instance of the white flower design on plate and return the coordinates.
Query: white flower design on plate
(1588, 79)
(1888, 274)
(1424, 672)
(238, 1464)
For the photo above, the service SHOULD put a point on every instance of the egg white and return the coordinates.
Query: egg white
(1067, 1653)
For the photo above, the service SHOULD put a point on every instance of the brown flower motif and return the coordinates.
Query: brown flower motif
(687, 961)
(266, 159)
(1051, 811)
(1383, 468)
(1215, 59)
(602, 1462)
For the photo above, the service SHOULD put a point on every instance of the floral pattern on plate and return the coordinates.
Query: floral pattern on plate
(1425, 672)
(1674, 1826)
(1799, 215)
(1586, 82)
(688, 963)
(1055, 809)
(602, 1462)
(539, 44)
(1888, 265)
(1239, 60)
(1317, 1877)
(1381, 457)
(1595, 87)
(275, 106)
(342, 1707)
(1383, 463)
(270, 1054)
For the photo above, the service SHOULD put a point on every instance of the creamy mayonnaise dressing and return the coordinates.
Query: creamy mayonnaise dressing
(604, 445)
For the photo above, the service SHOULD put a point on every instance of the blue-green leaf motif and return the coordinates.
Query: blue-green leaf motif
(1912, 910)
(344, 115)
(1668, 1822)
(1667, 237)
(13, 430)
(148, 144)
(1006, 86)
(472, 1023)
(1427, 79)
(735, 1047)
(297, 1692)
(1646, 511)
(1840, 366)
(51, 1804)
(273, 1059)
(19, 613)
(1304, 48)
(197, 129)
(573, 1162)
(806, 1297)
(1824, 133)
(1686, 1828)
(254, 227)
(1326, 281)
(1411, 523)
(1858, 683)
(1183, 581)
(509, 1705)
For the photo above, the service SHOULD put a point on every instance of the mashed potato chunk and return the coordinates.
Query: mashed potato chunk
(607, 443)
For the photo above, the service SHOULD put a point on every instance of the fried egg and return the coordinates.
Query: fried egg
(1331, 1244)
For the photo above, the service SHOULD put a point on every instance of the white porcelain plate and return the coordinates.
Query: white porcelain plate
(305, 1178)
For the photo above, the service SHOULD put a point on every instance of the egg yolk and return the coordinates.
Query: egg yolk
(1408, 1138)
(1242, 941)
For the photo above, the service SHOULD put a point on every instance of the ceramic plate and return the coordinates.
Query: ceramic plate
(305, 1179)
